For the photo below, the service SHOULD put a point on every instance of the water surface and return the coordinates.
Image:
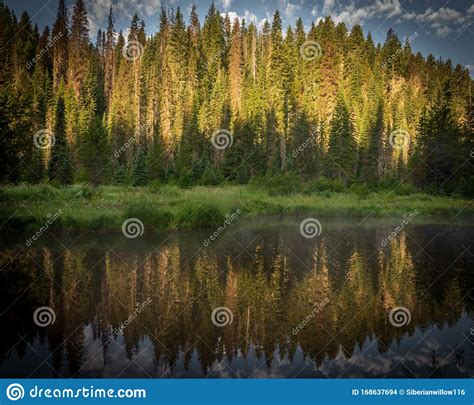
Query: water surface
(300, 307)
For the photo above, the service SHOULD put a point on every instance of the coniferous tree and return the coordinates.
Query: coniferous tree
(341, 159)
(440, 153)
(95, 153)
(109, 56)
(60, 36)
(328, 115)
(369, 165)
(78, 47)
(140, 169)
(60, 167)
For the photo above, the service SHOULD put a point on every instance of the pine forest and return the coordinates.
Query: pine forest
(222, 102)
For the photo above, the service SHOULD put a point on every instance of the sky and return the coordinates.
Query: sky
(444, 28)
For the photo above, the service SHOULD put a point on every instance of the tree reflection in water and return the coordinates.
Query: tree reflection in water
(271, 279)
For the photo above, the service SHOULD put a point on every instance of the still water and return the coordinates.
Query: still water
(295, 307)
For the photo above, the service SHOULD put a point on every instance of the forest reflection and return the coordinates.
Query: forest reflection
(271, 278)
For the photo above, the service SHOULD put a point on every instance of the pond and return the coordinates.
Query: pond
(259, 301)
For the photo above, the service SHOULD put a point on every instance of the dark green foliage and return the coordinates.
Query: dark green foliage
(443, 149)
(120, 176)
(342, 153)
(323, 184)
(281, 184)
(140, 170)
(201, 216)
(35, 171)
(304, 148)
(156, 160)
(244, 159)
(60, 166)
(298, 123)
(149, 213)
(94, 153)
(369, 165)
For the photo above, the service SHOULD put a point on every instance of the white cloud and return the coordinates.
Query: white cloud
(386, 8)
(443, 19)
(441, 29)
(98, 11)
(471, 69)
(248, 16)
(353, 13)
(328, 6)
(444, 14)
(291, 9)
(440, 20)
(226, 4)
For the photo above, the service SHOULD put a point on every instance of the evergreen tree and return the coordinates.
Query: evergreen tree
(60, 167)
(369, 164)
(152, 117)
(109, 56)
(60, 36)
(440, 153)
(341, 159)
(78, 47)
(94, 152)
(140, 169)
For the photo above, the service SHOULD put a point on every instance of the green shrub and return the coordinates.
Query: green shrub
(199, 216)
(465, 187)
(322, 185)
(83, 191)
(187, 180)
(169, 191)
(360, 190)
(121, 176)
(39, 192)
(149, 214)
(280, 184)
(405, 189)
(155, 185)
(211, 177)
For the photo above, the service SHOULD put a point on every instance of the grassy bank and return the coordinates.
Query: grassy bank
(26, 207)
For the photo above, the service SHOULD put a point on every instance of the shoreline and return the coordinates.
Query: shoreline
(43, 208)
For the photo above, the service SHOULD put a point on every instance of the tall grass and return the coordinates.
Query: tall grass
(25, 207)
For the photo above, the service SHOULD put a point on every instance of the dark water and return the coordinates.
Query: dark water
(301, 307)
